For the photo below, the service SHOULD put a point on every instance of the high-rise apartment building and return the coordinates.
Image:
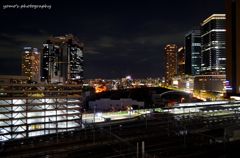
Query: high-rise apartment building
(193, 52)
(62, 60)
(170, 62)
(233, 46)
(31, 63)
(180, 61)
(213, 45)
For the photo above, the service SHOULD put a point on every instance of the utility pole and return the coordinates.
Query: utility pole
(137, 150)
(143, 149)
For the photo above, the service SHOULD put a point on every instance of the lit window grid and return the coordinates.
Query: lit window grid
(171, 62)
(31, 116)
(31, 65)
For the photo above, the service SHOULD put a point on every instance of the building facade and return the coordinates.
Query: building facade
(193, 52)
(29, 110)
(213, 52)
(184, 82)
(210, 83)
(170, 62)
(13, 79)
(31, 63)
(233, 46)
(107, 104)
(181, 61)
(62, 60)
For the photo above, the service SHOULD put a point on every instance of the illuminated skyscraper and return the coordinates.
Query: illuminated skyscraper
(233, 46)
(31, 63)
(62, 60)
(193, 52)
(170, 62)
(180, 61)
(213, 45)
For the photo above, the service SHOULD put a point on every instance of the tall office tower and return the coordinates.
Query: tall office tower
(193, 52)
(213, 45)
(31, 63)
(62, 60)
(233, 46)
(180, 61)
(170, 62)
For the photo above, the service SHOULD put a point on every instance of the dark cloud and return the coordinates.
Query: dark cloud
(10, 66)
(11, 48)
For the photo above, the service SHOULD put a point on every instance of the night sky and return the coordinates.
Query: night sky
(121, 37)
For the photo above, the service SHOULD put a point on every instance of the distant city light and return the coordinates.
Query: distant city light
(175, 82)
(128, 77)
(99, 114)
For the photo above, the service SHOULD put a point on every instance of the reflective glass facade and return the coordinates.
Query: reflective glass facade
(193, 52)
(62, 60)
(213, 44)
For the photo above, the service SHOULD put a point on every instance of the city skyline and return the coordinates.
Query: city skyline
(119, 79)
(121, 38)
